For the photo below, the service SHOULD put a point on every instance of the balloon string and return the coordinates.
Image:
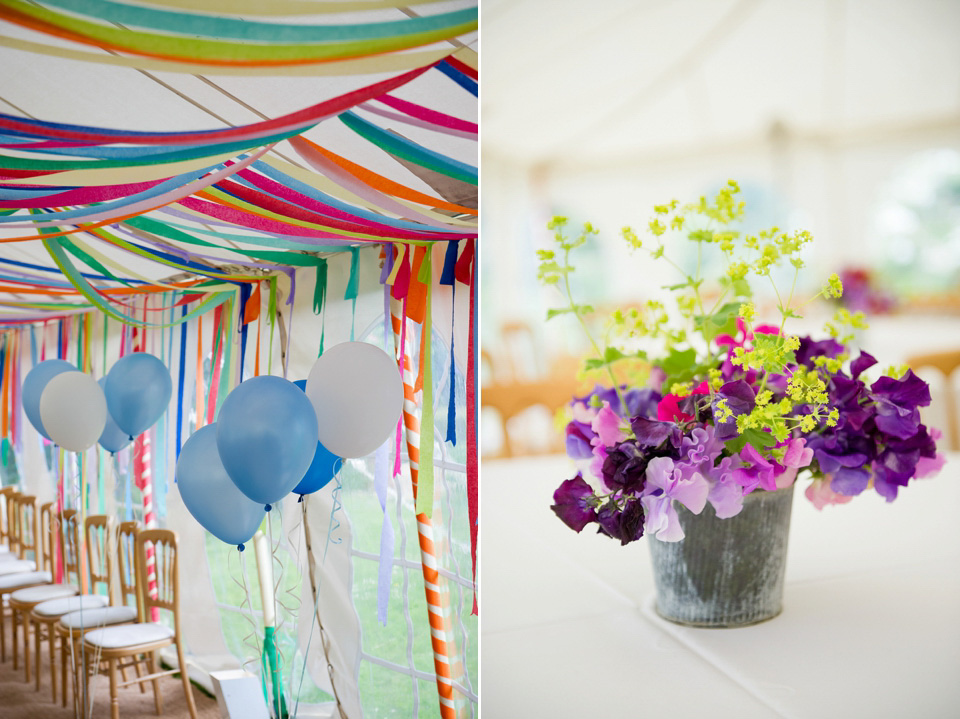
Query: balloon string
(334, 522)
(276, 677)
(316, 592)
(250, 640)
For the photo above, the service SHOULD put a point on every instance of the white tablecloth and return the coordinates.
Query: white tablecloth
(870, 627)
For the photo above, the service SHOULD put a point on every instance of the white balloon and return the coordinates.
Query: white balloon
(357, 392)
(73, 410)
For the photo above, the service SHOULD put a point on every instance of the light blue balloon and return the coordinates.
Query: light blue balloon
(324, 466)
(209, 493)
(138, 390)
(267, 436)
(34, 384)
(113, 439)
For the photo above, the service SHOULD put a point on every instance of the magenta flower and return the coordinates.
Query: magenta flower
(668, 409)
(666, 483)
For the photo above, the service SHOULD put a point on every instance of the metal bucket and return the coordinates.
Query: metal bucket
(725, 572)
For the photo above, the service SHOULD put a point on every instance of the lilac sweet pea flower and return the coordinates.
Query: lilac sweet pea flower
(726, 494)
(665, 483)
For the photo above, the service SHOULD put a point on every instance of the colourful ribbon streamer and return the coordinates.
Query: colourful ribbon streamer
(221, 52)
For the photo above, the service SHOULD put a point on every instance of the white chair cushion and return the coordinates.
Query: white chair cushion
(13, 581)
(127, 635)
(65, 605)
(35, 595)
(16, 566)
(98, 617)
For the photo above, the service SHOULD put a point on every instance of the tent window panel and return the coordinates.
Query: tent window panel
(385, 694)
(379, 641)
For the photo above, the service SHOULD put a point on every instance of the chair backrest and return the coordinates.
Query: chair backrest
(31, 540)
(5, 494)
(13, 522)
(97, 531)
(127, 563)
(947, 363)
(162, 544)
(63, 542)
(46, 561)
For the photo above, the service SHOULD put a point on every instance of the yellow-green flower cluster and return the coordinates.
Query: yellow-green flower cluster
(844, 324)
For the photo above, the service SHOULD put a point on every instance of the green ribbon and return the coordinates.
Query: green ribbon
(271, 666)
(425, 478)
(248, 30)
(63, 262)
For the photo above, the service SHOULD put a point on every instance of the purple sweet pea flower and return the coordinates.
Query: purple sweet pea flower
(625, 466)
(665, 483)
(850, 482)
(809, 349)
(624, 524)
(653, 433)
(861, 363)
(570, 503)
(841, 449)
(897, 404)
(579, 436)
(740, 399)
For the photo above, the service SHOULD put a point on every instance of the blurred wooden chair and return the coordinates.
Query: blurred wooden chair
(96, 570)
(62, 535)
(11, 560)
(25, 521)
(71, 627)
(143, 639)
(510, 396)
(946, 363)
(5, 548)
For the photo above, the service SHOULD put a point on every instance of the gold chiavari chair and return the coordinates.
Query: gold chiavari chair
(64, 534)
(25, 521)
(112, 644)
(72, 627)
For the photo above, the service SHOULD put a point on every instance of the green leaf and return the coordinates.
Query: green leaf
(736, 444)
(593, 363)
(677, 361)
(759, 439)
(612, 354)
(553, 313)
(723, 321)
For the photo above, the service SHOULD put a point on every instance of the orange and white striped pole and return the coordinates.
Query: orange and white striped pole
(433, 583)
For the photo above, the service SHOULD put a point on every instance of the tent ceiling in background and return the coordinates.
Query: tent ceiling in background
(627, 82)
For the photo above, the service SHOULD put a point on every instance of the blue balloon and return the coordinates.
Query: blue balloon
(112, 439)
(210, 495)
(138, 390)
(34, 384)
(324, 466)
(267, 436)
(322, 469)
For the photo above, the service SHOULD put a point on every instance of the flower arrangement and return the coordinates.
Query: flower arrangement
(727, 406)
